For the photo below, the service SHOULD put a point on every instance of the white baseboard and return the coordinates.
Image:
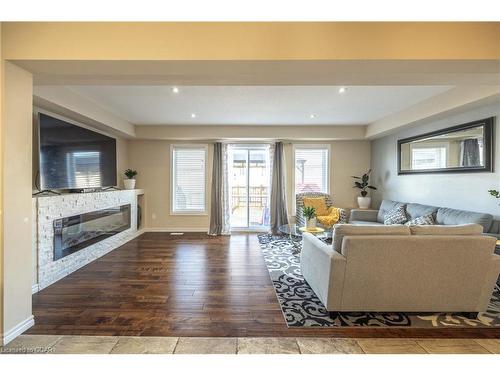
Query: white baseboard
(138, 233)
(35, 289)
(203, 230)
(18, 330)
(250, 230)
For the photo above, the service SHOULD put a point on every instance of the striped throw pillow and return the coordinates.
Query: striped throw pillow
(396, 216)
(422, 220)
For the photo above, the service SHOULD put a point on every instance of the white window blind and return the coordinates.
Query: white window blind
(188, 179)
(311, 169)
(428, 158)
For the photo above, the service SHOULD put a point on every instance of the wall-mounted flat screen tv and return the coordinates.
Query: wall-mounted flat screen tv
(72, 157)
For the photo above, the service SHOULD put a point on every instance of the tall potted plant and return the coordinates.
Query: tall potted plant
(129, 182)
(362, 183)
(310, 215)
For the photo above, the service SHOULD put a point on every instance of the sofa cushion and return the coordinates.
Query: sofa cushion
(414, 210)
(495, 227)
(396, 216)
(450, 216)
(385, 207)
(422, 220)
(447, 230)
(341, 230)
(496, 235)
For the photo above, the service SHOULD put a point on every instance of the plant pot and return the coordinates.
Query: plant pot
(129, 183)
(364, 202)
(311, 223)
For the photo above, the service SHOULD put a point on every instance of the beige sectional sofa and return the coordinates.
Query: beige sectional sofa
(400, 268)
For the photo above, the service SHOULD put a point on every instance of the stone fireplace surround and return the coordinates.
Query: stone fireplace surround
(46, 209)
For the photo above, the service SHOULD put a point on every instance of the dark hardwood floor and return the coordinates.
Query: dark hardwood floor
(192, 285)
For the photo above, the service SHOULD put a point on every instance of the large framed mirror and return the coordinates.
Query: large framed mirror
(463, 148)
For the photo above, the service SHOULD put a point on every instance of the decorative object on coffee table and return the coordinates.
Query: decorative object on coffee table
(129, 182)
(362, 184)
(315, 230)
(310, 215)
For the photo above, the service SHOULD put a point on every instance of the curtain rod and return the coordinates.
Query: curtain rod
(252, 142)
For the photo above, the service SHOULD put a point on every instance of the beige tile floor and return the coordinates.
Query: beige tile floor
(281, 345)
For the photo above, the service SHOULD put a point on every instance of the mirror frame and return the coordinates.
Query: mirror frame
(488, 124)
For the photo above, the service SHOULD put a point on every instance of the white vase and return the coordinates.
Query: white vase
(311, 223)
(364, 202)
(129, 183)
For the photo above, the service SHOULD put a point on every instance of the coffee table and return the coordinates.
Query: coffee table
(295, 233)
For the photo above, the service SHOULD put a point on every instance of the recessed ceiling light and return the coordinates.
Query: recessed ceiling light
(193, 115)
(175, 90)
(342, 90)
(312, 115)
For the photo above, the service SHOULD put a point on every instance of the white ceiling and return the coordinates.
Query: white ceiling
(256, 105)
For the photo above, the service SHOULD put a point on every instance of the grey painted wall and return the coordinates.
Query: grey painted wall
(467, 191)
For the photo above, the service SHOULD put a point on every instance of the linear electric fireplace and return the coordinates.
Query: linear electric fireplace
(77, 232)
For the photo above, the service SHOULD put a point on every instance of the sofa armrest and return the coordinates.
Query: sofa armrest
(491, 278)
(323, 268)
(363, 215)
(496, 265)
(315, 245)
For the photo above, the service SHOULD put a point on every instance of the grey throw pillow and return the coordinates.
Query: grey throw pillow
(396, 216)
(422, 220)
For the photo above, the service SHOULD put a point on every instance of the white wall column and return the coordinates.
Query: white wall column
(17, 212)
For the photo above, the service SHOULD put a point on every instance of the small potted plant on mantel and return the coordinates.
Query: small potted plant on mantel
(129, 182)
(310, 215)
(362, 184)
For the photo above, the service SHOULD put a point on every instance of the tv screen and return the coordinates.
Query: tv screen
(72, 157)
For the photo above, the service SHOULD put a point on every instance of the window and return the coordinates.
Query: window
(311, 168)
(85, 168)
(188, 176)
(428, 158)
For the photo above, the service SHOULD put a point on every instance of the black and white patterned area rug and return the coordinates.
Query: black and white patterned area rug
(302, 308)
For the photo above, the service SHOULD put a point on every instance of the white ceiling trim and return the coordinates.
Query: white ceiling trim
(68, 103)
(456, 99)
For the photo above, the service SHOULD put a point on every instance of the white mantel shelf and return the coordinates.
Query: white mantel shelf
(47, 208)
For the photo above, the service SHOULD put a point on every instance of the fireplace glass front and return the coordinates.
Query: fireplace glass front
(77, 232)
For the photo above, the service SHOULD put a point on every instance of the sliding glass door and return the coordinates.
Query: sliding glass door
(249, 184)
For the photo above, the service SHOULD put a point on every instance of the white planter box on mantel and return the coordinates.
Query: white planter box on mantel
(46, 209)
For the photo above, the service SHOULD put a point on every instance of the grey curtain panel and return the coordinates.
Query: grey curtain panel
(279, 212)
(470, 153)
(219, 197)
